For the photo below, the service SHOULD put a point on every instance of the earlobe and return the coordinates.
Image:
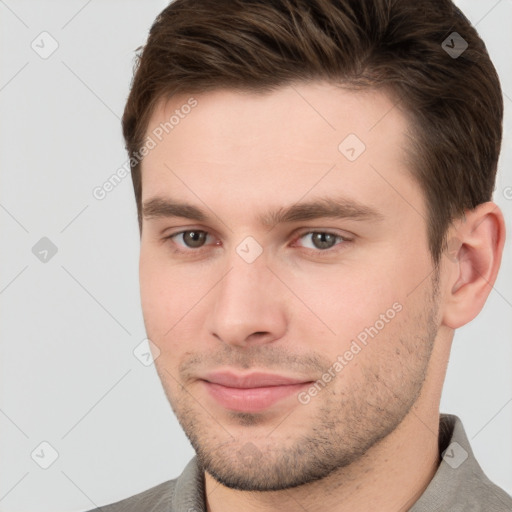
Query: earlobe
(472, 260)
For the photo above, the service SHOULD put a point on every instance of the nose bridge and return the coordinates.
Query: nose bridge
(246, 302)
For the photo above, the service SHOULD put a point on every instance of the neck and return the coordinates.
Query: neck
(390, 477)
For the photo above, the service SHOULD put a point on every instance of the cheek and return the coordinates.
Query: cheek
(361, 304)
(342, 302)
(171, 300)
(160, 294)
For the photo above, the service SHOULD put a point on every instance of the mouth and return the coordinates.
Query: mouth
(254, 392)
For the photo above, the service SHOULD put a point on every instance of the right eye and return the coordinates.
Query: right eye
(191, 239)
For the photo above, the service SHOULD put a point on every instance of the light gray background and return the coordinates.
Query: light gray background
(69, 326)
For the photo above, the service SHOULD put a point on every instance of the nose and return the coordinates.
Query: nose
(248, 305)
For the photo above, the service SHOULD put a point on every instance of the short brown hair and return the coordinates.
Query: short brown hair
(259, 45)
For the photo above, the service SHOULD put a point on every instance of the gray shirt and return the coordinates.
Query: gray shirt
(459, 484)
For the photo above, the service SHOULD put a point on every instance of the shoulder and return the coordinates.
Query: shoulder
(460, 485)
(185, 493)
(473, 484)
(156, 499)
(477, 493)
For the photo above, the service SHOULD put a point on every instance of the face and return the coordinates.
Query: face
(285, 276)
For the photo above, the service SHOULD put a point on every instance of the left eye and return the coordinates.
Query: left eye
(321, 240)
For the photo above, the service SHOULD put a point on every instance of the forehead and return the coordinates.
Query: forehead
(300, 139)
(303, 111)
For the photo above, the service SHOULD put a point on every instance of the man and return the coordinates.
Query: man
(313, 182)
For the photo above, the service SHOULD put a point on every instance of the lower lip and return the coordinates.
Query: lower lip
(251, 399)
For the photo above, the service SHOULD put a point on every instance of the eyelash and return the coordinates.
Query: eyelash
(320, 252)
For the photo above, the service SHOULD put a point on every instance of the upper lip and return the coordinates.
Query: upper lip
(251, 380)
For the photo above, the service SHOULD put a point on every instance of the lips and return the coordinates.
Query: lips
(251, 380)
(254, 392)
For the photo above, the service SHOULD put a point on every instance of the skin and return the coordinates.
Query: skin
(297, 307)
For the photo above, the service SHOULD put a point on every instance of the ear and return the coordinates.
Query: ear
(475, 246)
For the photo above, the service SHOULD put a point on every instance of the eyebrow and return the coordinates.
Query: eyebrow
(326, 207)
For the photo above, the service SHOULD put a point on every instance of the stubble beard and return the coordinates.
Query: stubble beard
(346, 423)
